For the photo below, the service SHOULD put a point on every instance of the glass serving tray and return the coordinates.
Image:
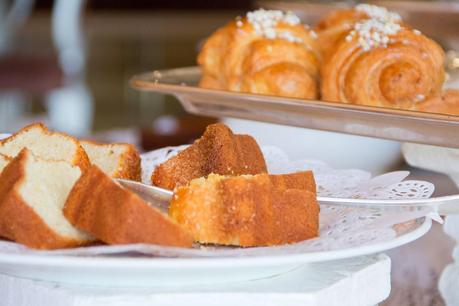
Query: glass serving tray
(400, 125)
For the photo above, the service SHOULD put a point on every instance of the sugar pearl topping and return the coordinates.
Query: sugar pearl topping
(419, 98)
(375, 31)
(269, 18)
(377, 12)
(265, 21)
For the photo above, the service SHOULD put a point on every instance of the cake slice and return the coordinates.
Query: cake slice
(46, 145)
(115, 215)
(4, 160)
(245, 210)
(117, 160)
(217, 151)
(299, 180)
(32, 194)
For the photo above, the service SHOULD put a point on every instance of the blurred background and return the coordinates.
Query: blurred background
(68, 63)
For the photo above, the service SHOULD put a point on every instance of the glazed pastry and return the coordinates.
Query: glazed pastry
(266, 52)
(445, 103)
(381, 62)
(335, 26)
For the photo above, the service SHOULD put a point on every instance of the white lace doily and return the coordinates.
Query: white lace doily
(340, 227)
(338, 183)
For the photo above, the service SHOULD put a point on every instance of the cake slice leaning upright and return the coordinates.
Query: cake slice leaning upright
(45, 144)
(33, 192)
(218, 151)
(117, 160)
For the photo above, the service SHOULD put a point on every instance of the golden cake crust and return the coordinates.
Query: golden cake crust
(103, 208)
(246, 210)
(303, 180)
(18, 221)
(80, 158)
(217, 151)
(4, 161)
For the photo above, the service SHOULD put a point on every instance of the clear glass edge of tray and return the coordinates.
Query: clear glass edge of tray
(386, 123)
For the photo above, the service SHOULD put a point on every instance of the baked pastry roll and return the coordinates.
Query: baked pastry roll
(378, 61)
(335, 26)
(445, 103)
(266, 52)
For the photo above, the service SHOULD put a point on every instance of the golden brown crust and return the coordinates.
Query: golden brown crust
(129, 164)
(5, 157)
(246, 210)
(445, 103)
(238, 58)
(399, 75)
(103, 208)
(210, 82)
(217, 151)
(303, 180)
(80, 159)
(334, 26)
(4, 161)
(130, 167)
(18, 221)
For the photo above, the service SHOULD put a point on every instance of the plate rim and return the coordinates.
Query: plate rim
(211, 261)
(139, 81)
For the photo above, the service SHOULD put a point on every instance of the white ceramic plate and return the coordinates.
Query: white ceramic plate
(137, 271)
(130, 269)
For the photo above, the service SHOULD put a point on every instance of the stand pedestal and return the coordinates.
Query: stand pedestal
(449, 280)
(362, 281)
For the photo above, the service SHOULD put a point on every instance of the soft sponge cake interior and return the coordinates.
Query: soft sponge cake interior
(40, 142)
(106, 157)
(45, 188)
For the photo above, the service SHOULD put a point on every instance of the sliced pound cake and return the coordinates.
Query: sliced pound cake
(217, 151)
(4, 160)
(32, 194)
(118, 160)
(299, 180)
(46, 145)
(115, 215)
(247, 210)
